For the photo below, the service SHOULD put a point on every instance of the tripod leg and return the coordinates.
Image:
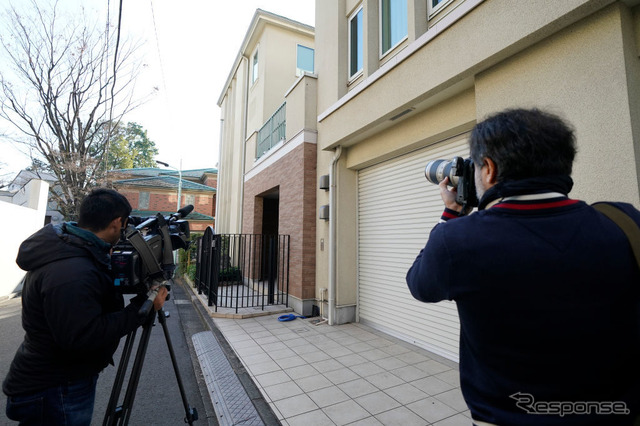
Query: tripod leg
(134, 379)
(191, 414)
(111, 414)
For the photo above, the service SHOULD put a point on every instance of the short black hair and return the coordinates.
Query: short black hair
(524, 143)
(100, 207)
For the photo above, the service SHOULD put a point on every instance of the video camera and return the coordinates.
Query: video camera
(144, 255)
(460, 173)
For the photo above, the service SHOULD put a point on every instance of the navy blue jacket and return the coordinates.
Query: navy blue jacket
(548, 295)
(72, 316)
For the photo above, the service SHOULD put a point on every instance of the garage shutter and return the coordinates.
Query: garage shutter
(398, 208)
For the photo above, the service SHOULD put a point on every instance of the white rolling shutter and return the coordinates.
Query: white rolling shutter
(397, 209)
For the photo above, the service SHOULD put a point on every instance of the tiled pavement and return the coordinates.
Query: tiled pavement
(347, 374)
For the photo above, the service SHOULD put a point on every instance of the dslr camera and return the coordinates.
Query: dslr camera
(460, 173)
(144, 255)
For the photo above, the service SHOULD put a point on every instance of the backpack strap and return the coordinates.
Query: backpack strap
(624, 222)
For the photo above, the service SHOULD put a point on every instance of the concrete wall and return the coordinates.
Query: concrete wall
(20, 222)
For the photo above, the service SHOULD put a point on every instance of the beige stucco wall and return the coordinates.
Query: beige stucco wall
(578, 58)
(581, 74)
(301, 106)
(247, 105)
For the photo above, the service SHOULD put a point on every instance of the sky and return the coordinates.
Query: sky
(188, 50)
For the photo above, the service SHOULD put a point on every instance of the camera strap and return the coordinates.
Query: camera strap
(625, 223)
(143, 249)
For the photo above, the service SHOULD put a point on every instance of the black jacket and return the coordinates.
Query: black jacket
(72, 316)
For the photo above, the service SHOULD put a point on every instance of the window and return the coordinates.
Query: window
(254, 68)
(393, 23)
(190, 199)
(355, 43)
(143, 200)
(436, 5)
(304, 61)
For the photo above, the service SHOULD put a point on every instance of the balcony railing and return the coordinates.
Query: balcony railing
(273, 131)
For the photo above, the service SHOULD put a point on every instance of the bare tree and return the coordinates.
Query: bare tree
(69, 80)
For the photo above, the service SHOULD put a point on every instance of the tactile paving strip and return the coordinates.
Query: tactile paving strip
(231, 402)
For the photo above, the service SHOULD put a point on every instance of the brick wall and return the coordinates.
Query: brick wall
(293, 176)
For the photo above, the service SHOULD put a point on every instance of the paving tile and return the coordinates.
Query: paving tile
(256, 359)
(304, 349)
(400, 416)
(294, 342)
(327, 365)
(351, 360)
(395, 349)
(377, 402)
(369, 421)
(346, 412)
(301, 371)
(390, 363)
(360, 347)
(309, 384)
(336, 352)
(282, 390)
(347, 341)
(273, 346)
(341, 376)
(453, 399)
(384, 380)
(457, 420)
(450, 376)
(313, 357)
(249, 350)
(263, 367)
(432, 367)
(374, 354)
(282, 353)
(293, 361)
(413, 358)
(432, 385)
(328, 396)
(312, 418)
(367, 369)
(273, 378)
(431, 409)
(358, 387)
(406, 393)
(380, 342)
(295, 405)
(409, 373)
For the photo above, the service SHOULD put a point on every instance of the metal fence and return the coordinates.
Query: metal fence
(273, 131)
(243, 270)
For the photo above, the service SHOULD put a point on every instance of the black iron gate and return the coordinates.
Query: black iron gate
(243, 270)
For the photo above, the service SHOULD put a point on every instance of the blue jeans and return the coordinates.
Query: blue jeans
(70, 404)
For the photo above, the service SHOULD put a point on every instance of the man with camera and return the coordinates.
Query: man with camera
(71, 313)
(547, 288)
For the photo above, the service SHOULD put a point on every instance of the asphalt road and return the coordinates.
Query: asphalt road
(158, 400)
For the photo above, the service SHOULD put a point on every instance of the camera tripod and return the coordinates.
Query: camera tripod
(119, 415)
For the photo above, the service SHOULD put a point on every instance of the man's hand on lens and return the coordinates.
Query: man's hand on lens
(449, 196)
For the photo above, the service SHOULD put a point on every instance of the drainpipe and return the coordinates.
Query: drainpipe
(332, 235)
(244, 140)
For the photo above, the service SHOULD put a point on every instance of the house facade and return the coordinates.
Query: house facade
(268, 145)
(402, 82)
(153, 190)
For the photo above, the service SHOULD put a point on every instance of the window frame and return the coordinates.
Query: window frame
(147, 200)
(300, 71)
(401, 40)
(434, 10)
(255, 71)
(354, 15)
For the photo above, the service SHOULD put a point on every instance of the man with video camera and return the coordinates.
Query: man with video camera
(71, 313)
(547, 288)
